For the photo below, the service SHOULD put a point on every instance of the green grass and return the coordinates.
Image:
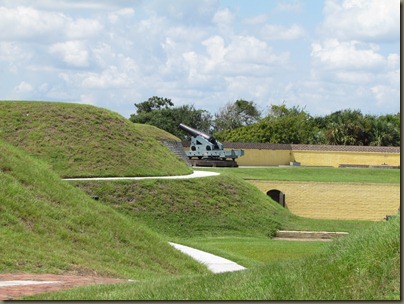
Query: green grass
(314, 174)
(83, 140)
(215, 206)
(364, 266)
(49, 226)
(255, 251)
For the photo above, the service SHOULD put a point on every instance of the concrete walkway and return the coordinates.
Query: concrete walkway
(195, 174)
(214, 263)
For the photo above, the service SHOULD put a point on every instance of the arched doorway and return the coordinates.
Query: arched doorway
(277, 196)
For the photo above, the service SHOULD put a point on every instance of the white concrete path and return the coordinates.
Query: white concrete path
(195, 174)
(22, 283)
(214, 263)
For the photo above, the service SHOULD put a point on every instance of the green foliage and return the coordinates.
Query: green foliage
(295, 126)
(82, 140)
(282, 125)
(235, 115)
(158, 111)
(49, 226)
(153, 103)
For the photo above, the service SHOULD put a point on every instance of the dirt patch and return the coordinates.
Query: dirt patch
(59, 282)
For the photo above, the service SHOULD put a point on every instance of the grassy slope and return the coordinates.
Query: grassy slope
(49, 226)
(188, 208)
(365, 266)
(83, 140)
(215, 206)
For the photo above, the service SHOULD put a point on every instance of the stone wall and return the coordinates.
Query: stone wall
(341, 201)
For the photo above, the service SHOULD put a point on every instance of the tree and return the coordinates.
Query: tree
(160, 112)
(235, 115)
(282, 125)
(153, 103)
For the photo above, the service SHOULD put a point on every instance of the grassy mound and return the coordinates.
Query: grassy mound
(214, 206)
(364, 266)
(49, 226)
(82, 140)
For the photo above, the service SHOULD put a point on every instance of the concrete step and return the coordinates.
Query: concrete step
(308, 235)
(177, 149)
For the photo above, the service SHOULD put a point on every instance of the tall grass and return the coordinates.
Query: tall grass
(363, 266)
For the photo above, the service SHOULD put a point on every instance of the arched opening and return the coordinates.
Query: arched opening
(278, 196)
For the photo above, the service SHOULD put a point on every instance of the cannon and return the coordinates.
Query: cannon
(209, 151)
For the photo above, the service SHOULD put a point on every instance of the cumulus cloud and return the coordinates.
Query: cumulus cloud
(333, 54)
(24, 87)
(26, 23)
(368, 20)
(280, 32)
(206, 52)
(73, 53)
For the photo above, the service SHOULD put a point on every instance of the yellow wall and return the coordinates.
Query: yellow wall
(274, 157)
(347, 201)
(335, 158)
(264, 157)
(257, 157)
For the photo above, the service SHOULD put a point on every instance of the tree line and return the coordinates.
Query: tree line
(242, 121)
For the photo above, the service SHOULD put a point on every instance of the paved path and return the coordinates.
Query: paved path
(195, 174)
(214, 263)
(16, 286)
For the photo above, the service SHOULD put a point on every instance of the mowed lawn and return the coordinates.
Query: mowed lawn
(314, 174)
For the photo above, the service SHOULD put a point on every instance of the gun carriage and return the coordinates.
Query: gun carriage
(208, 151)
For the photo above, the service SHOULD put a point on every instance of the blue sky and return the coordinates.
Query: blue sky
(320, 55)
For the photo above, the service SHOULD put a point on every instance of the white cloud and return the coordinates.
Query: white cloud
(385, 96)
(280, 32)
(124, 12)
(73, 5)
(82, 28)
(223, 17)
(284, 6)
(259, 19)
(26, 23)
(368, 20)
(333, 54)
(113, 53)
(73, 53)
(24, 87)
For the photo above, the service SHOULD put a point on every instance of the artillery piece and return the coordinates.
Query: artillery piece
(208, 151)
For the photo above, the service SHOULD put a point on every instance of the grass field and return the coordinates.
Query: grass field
(52, 226)
(364, 266)
(314, 174)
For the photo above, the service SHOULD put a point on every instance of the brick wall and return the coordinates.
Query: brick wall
(342, 201)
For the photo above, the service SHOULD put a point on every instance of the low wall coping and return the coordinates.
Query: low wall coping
(301, 147)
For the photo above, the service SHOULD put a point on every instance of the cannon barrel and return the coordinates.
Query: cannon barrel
(193, 132)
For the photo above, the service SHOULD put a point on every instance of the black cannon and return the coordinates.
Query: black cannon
(205, 147)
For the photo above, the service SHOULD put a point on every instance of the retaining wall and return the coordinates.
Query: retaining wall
(340, 201)
(261, 154)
